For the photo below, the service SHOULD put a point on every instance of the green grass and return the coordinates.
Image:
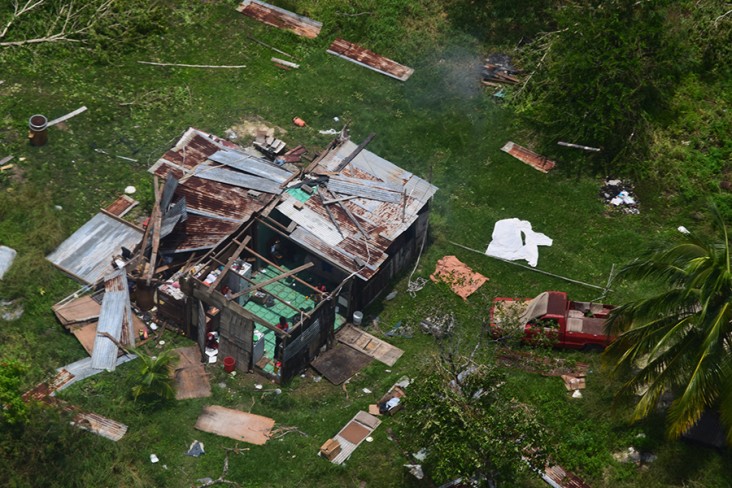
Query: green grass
(439, 124)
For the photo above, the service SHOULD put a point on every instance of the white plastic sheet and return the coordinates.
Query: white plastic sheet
(514, 239)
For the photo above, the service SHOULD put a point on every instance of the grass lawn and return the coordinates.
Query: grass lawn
(439, 124)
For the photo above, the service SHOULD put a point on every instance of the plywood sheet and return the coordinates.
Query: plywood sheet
(340, 363)
(240, 426)
(87, 333)
(191, 379)
(369, 345)
(362, 56)
(82, 309)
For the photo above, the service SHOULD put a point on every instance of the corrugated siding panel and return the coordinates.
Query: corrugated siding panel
(352, 186)
(311, 221)
(87, 253)
(251, 164)
(114, 314)
(237, 178)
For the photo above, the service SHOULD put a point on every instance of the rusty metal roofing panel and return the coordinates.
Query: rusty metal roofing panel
(197, 233)
(280, 18)
(364, 188)
(251, 164)
(236, 178)
(122, 205)
(333, 255)
(87, 253)
(177, 213)
(114, 316)
(369, 59)
(529, 157)
(311, 221)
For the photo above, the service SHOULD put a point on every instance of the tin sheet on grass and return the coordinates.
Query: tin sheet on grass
(458, 276)
(240, 426)
(354, 433)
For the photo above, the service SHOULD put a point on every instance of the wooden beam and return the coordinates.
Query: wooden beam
(350, 197)
(330, 214)
(217, 299)
(231, 260)
(156, 230)
(355, 152)
(262, 284)
(281, 270)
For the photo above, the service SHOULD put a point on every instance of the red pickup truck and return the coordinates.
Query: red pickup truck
(565, 323)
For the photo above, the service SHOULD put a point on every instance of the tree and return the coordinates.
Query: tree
(154, 378)
(601, 76)
(679, 340)
(459, 411)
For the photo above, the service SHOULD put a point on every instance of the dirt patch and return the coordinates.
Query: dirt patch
(249, 128)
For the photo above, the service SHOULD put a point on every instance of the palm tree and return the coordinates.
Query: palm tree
(680, 339)
(154, 378)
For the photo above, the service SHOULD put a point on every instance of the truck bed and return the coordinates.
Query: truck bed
(586, 325)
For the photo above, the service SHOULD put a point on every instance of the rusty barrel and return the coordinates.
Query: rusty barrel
(38, 125)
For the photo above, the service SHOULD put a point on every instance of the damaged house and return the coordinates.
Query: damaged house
(273, 258)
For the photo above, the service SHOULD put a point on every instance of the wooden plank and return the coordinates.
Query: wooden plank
(158, 213)
(369, 59)
(262, 284)
(232, 259)
(368, 344)
(191, 379)
(82, 309)
(66, 117)
(355, 152)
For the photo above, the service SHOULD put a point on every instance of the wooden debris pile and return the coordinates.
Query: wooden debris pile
(499, 71)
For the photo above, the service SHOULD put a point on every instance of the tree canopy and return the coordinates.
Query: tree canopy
(679, 339)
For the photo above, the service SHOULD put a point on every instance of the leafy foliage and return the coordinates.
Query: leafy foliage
(679, 339)
(458, 410)
(14, 410)
(154, 379)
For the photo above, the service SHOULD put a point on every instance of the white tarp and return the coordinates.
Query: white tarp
(513, 239)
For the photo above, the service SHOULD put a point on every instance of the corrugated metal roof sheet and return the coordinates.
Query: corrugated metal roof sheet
(251, 164)
(236, 178)
(362, 56)
(215, 208)
(115, 319)
(87, 253)
(383, 221)
(280, 18)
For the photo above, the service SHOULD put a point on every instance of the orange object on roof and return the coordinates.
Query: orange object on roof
(461, 279)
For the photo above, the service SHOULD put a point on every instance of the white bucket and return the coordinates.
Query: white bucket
(357, 318)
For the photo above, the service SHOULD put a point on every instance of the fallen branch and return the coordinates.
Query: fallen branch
(236, 449)
(578, 146)
(207, 66)
(283, 431)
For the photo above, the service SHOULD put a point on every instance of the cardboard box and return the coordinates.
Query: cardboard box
(396, 392)
(330, 449)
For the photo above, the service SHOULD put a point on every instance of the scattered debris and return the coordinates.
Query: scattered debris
(391, 296)
(280, 18)
(415, 470)
(280, 432)
(294, 155)
(461, 279)
(269, 145)
(619, 195)
(529, 157)
(195, 449)
(207, 66)
(329, 132)
(153, 458)
(129, 190)
(240, 426)
(514, 239)
(298, 122)
(362, 56)
(573, 383)
(547, 366)
(115, 326)
(499, 70)
(391, 402)
(400, 330)
(102, 151)
(342, 445)
(683, 230)
(10, 310)
(4, 160)
(557, 476)
(577, 394)
(7, 256)
(221, 479)
(438, 325)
